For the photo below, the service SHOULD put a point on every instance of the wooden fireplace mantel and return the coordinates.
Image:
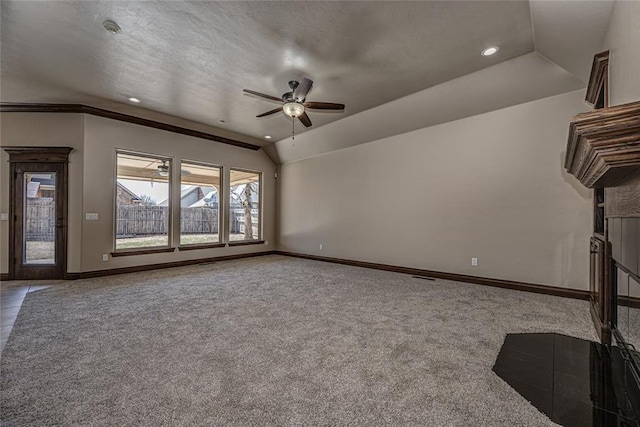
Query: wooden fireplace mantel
(604, 145)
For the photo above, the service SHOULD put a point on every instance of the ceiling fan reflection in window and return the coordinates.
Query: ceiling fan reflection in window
(294, 103)
(163, 169)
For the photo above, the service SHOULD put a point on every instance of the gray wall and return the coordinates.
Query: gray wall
(490, 186)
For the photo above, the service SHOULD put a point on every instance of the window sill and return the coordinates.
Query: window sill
(141, 252)
(248, 242)
(204, 246)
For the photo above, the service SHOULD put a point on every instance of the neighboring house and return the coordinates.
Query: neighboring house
(237, 195)
(190, 196)
(209, 199)
(41, 185)
(125, 196)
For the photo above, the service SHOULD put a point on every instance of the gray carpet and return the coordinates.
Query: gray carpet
(272, 341)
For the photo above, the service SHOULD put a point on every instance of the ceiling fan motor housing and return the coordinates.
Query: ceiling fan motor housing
(287, 97)
(293, 84)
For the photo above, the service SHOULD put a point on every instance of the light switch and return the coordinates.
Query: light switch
(4, 216)
(91, 216)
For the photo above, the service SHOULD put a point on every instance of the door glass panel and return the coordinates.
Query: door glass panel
(39, 215)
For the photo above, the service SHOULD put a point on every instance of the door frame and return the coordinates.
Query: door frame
(58, 155)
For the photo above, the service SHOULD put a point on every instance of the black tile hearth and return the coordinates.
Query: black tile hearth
(573, 381)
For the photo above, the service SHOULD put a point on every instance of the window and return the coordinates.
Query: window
(244, 205)
(142, 201)
(199, 203)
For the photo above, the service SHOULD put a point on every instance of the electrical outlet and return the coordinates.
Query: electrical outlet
(4, 216)
(266, 243)
(320, 246)
(105, 257)
(91, 216)
(474, 262)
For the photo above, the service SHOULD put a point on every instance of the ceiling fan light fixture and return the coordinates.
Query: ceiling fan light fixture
(163, 169)
(293, 109)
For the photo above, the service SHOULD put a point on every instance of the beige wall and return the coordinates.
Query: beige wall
(492, 186)
(102, 138)
(92, 174)
(623, 42)
(39, 129)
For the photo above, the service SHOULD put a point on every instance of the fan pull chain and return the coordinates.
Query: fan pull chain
(293, 128)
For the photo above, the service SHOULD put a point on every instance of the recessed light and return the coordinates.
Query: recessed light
(222, 122)
(267, 137)
(111, 26)
(134, 100)
(490, 51)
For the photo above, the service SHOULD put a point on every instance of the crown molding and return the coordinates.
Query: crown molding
(598, 78)
(86, 109)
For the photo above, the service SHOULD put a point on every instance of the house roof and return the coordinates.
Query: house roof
(126, 190)
(186, 192)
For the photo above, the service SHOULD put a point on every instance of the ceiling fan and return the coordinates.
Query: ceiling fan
(294, 104)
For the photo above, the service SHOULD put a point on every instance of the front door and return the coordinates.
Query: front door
(38, 246)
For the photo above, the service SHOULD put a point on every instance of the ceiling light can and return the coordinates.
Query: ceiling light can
(134, 100)
(490, 50)
(111, 26)
(267, 137)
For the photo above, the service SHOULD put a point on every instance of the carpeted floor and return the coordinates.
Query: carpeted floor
(272, 340)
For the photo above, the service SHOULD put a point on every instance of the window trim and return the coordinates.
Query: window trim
(195, 246)
(169, 247)
(221, 216)
(259, 239)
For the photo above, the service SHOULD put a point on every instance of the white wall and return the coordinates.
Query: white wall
(623, 43)
(492, 186)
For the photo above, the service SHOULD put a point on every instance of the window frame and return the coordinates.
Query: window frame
(142, 250)
(259, 239)
(221, 215)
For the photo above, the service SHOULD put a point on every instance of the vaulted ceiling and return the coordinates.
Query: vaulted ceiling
(192, 59)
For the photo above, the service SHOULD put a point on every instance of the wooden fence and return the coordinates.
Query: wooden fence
(137, 220)
(40, 220)
(143, 220)
(200, 220)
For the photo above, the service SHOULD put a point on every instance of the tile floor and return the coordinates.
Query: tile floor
(12, 294)
(574, 382)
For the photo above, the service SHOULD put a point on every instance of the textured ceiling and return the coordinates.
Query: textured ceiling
(192, 59)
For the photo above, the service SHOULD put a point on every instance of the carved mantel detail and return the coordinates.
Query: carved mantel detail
(604, 145)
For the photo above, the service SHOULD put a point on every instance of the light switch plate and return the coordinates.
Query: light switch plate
(4, 216)
(91, 216)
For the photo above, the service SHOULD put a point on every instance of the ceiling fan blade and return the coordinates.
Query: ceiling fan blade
(305, 119)
(303, 89)
(262, 95)
(324, 106)
(268, 113)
